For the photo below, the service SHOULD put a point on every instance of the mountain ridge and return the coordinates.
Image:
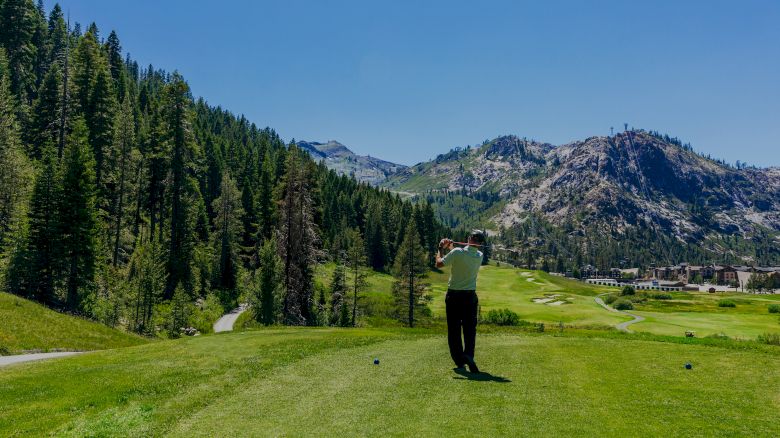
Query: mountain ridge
(631, 180)
(340, 158)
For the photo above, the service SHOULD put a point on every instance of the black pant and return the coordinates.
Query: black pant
(461, 315)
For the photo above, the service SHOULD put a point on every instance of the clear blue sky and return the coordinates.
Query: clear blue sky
(406, 80)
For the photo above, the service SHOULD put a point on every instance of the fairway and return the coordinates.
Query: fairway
(505, 287)
(300, 382)
(515, 289)
(735, 325)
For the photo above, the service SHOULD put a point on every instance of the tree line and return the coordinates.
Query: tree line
(125, 199)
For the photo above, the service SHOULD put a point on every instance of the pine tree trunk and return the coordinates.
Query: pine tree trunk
(120, 203)
(64, 112)
(356, 267)
(137, 216)
(411, 285)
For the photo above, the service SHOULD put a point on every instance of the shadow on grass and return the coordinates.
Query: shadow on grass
(479, 377)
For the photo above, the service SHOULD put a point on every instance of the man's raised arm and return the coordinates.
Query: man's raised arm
(444, 244)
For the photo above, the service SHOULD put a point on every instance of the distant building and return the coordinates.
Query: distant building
(725, 274)
(631, 273)
(714, 274)
(588, 271)
(603, 281)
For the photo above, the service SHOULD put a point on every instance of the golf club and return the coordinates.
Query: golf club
(466, 243)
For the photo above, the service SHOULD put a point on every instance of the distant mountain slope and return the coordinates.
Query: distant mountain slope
(608, 184)
(338, 157)
(30, 326)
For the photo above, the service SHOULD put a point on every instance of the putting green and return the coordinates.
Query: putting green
(301, 382)
(735, 325)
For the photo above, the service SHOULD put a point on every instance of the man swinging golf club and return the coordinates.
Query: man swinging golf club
(461, 301)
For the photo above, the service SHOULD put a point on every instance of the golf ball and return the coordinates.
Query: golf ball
(376, 361)
(688, 366)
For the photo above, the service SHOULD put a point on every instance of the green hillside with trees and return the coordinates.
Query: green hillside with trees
(126, 200)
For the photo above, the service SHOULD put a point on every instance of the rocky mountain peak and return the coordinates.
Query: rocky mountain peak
(613, 183)
(340, 158)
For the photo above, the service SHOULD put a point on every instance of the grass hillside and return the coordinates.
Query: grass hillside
(497, 287)
(298, 382)
(28, 326)
(515, 289)
(539, 297)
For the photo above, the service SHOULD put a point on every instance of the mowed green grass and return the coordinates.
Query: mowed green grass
(300, 382)
(28, 326)
(699, 312)
(501, 287)
(515, 289)
(497, 288)
(736, 325)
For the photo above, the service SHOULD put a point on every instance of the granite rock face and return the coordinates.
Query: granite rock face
(338, 157)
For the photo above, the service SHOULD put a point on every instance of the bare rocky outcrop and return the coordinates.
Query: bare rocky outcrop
(612, 182)
(338, 157)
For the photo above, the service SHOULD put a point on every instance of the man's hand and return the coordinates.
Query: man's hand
(445, 244)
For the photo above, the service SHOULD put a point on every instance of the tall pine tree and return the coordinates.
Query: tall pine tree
(226, 238)
(411, 266)
(18, 23)
(45, 118)
(355, 259)
(14, 169)
(78, 221)
(268, 286)
(180, 249)
(297, 240)
(43, 254)
(99, 116)
(121, 162)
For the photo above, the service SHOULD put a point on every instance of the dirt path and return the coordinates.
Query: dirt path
(19, 358)
(623, 326)
(225, 323)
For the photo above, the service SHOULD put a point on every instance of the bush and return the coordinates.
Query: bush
(205, 313)
(611, 298)
(770, 338)
(774, 308)
(623, 304)
(727, 303)
(502, 317)
(628, 290)
(662, 296)
(718, 336)
(4, 351)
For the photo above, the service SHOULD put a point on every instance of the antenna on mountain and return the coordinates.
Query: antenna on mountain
(611, 131)
(625, 127)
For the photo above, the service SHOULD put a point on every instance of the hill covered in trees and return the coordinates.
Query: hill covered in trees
(124, 199)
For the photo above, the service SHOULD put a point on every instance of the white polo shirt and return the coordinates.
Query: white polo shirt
(465, 263)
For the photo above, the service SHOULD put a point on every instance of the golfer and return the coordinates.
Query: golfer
(461, 301)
